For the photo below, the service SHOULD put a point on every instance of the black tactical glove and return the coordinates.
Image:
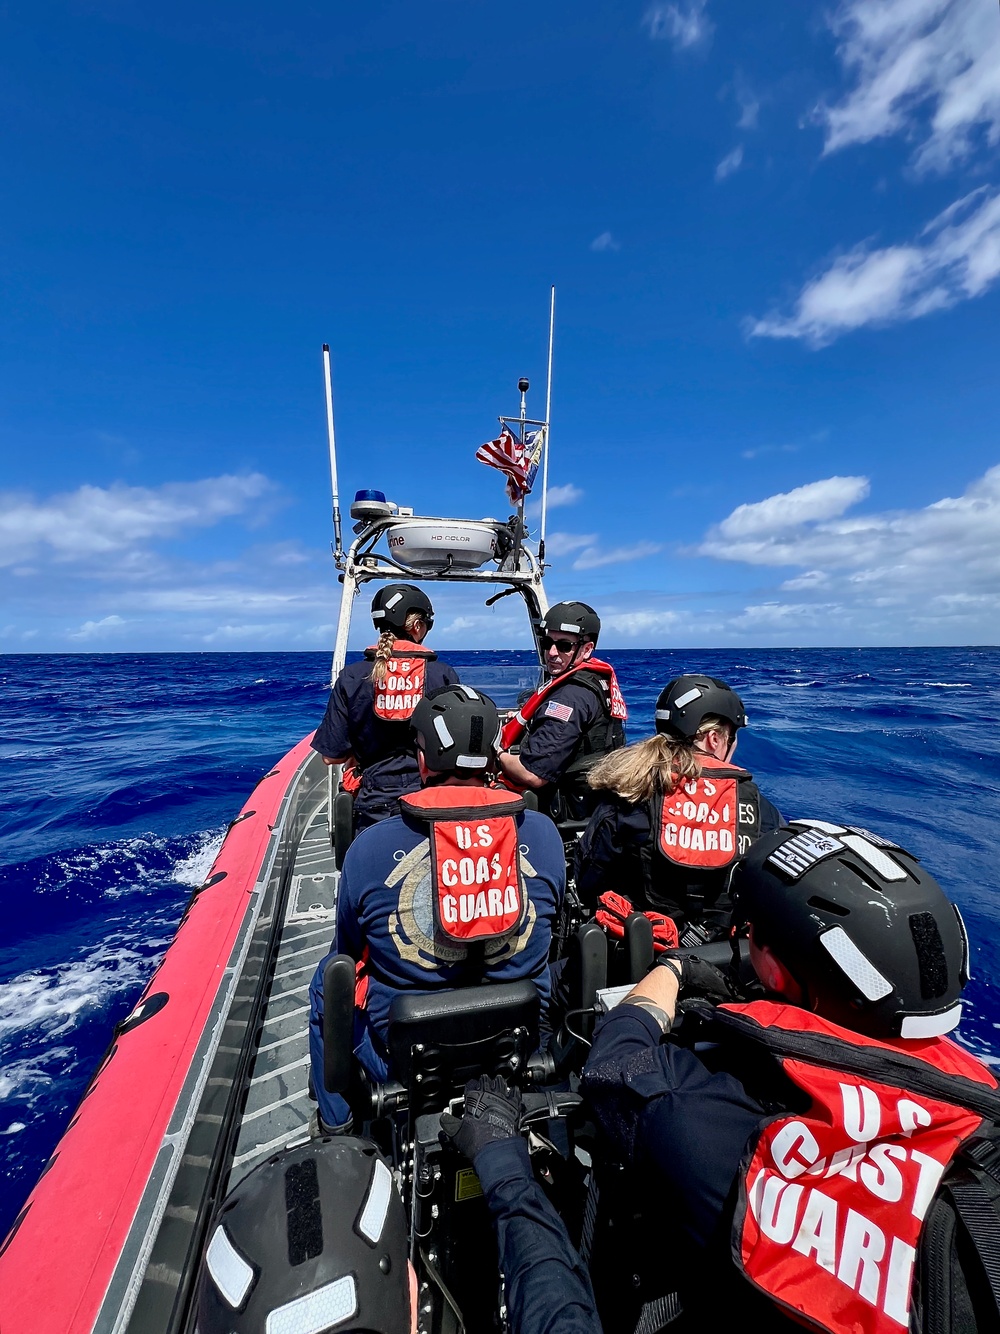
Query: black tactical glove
(492, 1112)
(698, 978)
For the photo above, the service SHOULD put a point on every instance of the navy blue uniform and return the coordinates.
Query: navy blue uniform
(556, 730)
(609, 857)
(385, 904)
(665, 1110)
(546, 1284)
(384, 750)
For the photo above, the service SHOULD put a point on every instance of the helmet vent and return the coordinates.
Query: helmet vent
(305, 1217)
(931, 958)
(827, 905)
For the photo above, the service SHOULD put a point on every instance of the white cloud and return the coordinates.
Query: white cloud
(593, 558)
(790, 509)
(568, 494)
(941, 560)
(96, 521)
(634, 623)
(96, 629)
(956, 258)
(730, 163)
(563, 544)
(910, 56)
(684, 24)
(559, 497)
(604, 242)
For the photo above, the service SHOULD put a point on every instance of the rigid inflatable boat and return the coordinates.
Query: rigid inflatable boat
(208, 1075)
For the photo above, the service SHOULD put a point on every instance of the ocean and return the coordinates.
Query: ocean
(122, 771)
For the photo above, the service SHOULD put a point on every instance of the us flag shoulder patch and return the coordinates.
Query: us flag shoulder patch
(564, 712)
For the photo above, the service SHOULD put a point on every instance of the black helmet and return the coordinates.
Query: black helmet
(863, 928)
(573, 618)
(457, 729)
(391, 606)
(688, 700)
(316, 1235)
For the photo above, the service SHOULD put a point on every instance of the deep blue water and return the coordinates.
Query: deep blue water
(121, 772)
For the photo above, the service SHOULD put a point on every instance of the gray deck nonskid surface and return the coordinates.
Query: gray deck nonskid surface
(278, 1106)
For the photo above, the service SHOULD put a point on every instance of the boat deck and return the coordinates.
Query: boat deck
(278, 1106)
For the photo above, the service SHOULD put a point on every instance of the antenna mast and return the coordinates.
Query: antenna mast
(548, 419)
(338, 553)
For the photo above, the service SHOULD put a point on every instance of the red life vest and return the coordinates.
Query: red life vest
(612, 698)
(832, 1201)
(709, 821)
(403, 686)
(477, 887)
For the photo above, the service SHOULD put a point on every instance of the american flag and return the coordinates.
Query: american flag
(518, 461)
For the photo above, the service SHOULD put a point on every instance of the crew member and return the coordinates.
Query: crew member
(474, 903)
(574, 719)
(367, 722)
(674, 813)
(546, 1284)
(802, 1147)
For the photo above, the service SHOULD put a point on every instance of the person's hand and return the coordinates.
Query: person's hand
(492, 1112)
(698, 978)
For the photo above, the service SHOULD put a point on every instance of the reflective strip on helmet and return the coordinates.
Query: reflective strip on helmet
(930, 1025)
(372, 1218)
(571, 629)
(966, 951)
(230, 1272)
(316, 1311)
(887, 867)
(682, 701)
(858, 967)
(469, 692)
(377, 615)
(823, 826)
(391, 602)
(444, 736)
(471, 761)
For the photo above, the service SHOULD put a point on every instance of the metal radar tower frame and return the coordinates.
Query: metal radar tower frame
(391, 542)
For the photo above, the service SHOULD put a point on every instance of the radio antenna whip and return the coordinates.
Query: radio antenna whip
(338, 544)
(548, 419)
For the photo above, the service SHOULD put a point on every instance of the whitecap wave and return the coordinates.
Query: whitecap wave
(193, 868)
(53, 1000)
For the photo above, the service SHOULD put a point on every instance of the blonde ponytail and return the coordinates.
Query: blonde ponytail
(658, 764)
(384, 649)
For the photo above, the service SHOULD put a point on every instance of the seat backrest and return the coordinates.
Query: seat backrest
(439, 1040)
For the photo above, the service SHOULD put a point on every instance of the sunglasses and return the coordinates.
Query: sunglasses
(560, 645)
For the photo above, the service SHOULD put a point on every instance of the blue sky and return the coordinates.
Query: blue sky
(775, 234)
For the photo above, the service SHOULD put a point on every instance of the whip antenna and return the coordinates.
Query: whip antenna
(338, 544)
(548, 419)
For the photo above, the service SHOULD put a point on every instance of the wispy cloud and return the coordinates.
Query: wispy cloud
(919, 558)
(97, 629)
(564, 544)
(730, 163)
(748, 103)
(956, 257)
(593, 558)
(908, 56)
(95, 521)
(789, 510)
(604, 242)
(685, 23)
(567, 494)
